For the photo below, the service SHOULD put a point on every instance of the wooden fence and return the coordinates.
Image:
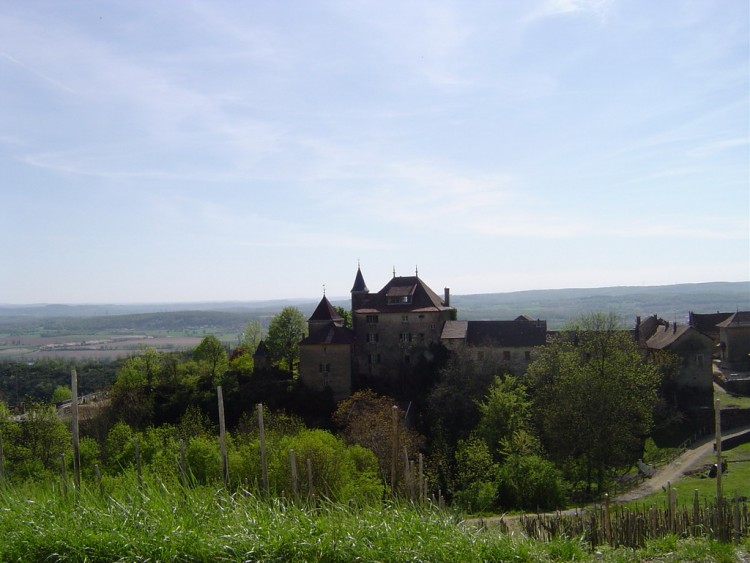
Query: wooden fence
(727, 520)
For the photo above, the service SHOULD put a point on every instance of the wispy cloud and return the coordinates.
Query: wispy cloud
(550, 8)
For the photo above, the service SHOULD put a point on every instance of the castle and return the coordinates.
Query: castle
(394, 330)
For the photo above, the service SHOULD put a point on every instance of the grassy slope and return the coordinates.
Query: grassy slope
(38, 522)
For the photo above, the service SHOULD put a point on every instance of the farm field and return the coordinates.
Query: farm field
(88, 346)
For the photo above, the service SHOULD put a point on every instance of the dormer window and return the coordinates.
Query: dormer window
(399, 300)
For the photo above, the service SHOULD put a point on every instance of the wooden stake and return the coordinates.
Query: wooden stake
(137, 454)
(223, 437)
(309, 479)
(394, 446)
(74, 428)
(263, 458)
(293, 466)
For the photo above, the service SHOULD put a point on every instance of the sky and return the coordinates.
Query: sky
(212, 150)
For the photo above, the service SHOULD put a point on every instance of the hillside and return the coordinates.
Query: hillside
(557, 306)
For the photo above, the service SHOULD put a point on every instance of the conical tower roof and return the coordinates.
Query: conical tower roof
(325, 312)
(359, 283)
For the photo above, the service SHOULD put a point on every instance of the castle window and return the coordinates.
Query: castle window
(405, 337)
(506, 355)
(527, 355)
(373, 359)
(399, 299)
(372, 319)
(324, 368)
(372, 337)
(699, 360)
(404, 318)
(407, 359)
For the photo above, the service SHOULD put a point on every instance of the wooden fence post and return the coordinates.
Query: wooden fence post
(183, 464)
(422, 485)
(394, 446)
(74, 428)
(719, 492)
(64, 475)
(696, 513)
(263, 458)
(137, 454)
(2, 461)
(309, 479)
(223, 437)
(98, 477)
(293, 467)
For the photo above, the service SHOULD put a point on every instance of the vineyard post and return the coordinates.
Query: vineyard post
(74, 428)
(64, 475)
(263, 458)
(422, 485)
(719, 494)
(736, 514)
(309, 479)
(293, 467)
(2, 461)
(183, 464)
(696, 513)
(223, 437)
(394, 446)
(98, 477)
(137, 454)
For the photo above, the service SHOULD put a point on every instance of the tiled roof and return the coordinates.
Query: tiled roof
(707, 322)
(325, 312)
(665, 336)
(506, 333)
(453, 330)
(329, 334)
(740, 318)
(497, 333)
(420, 297)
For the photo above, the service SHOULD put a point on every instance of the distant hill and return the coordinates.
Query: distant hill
(557, 306)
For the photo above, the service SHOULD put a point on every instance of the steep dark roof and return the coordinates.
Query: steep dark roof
(325, 312)
(261, 351)
(740, 318)
(401, 294)
(707, 322)
(329, 334)
(359, 283)
(519, 332)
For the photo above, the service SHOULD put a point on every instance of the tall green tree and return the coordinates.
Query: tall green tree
(504, 411)
(212, 359)
(285, 332)
(252, 335)
(594, 398)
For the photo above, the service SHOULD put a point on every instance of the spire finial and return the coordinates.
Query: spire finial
(416, 270)
(324, 290)
(394, 271)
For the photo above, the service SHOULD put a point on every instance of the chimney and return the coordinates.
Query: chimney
(674, 327)
(447, 299)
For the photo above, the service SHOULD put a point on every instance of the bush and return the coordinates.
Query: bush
(531, 482)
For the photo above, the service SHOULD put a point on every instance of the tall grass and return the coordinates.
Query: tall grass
(155, 523)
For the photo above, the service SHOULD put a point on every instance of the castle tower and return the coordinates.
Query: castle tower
(360, 293)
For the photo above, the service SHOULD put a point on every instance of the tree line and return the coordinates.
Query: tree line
(490, 440)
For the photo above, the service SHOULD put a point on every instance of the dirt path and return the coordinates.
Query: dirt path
(701, 453)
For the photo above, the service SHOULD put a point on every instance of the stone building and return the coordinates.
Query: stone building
(325, 356)
(692, 346)
(395, 327)
(507, 346)
(734, 341)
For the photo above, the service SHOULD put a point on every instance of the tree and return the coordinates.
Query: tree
(60, 394)
(505, 410)
(285, 332)
(346, 315)
(212, 359)
(251, 336)
(365, 418)
(594, 397)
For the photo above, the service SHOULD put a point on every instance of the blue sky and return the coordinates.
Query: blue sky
(215, 150)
